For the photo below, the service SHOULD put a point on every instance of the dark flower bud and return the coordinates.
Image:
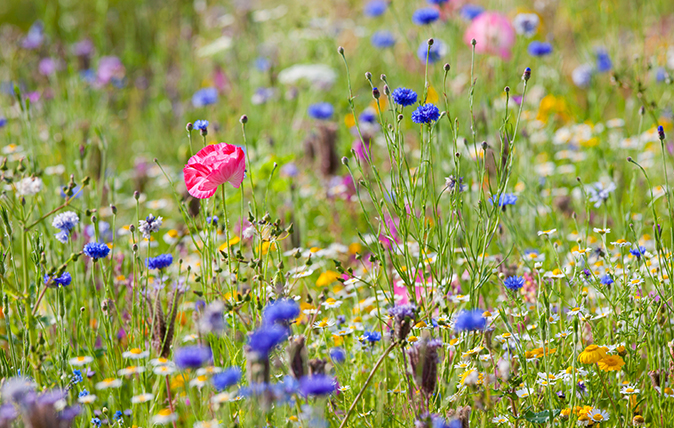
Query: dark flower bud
(484, 145)
(113, 209)
(317, 366)
(345, 160)
(243, 119)
(297, 353)
(403, 319)
(473, 42)
(661, 132)
(424, 363)
(203, 132)
(642, 110)
(134, 248)
(375, 93)
(431, 41)
(189, 126)
(136, 195)
(400, 117)
(387, 90)
(446, 67)
(368, 75)
(340, 50)
(383, 78)
(527, 74)
(507, 89)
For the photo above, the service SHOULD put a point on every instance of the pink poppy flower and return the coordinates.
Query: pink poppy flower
(494, 34)
(212, 166)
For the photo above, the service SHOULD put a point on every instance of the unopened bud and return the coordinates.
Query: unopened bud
(527, 74)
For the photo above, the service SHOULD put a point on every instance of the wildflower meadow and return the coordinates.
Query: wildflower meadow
(348, 213)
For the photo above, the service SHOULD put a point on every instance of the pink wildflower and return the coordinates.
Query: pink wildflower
(493, 33)
(212, 166)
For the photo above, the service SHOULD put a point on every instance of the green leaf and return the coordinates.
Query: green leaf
(541, 417)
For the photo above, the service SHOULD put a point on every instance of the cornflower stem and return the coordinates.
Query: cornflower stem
(60, 207)
(367, 382)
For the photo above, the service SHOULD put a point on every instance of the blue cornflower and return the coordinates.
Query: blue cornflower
(437, 2)
(3, 121)
(83, 393)
(149, 225)
(372, 336)
(64, 280)
(426, 113)
(96, 422)
(471, 11)
(599, 192)
(76, 193)
(337, 355)
(436, 51)
(213, 220)
(660, 74)
(404, 97)
(607, 280)
(65, 222)
(469, 320)
(526, 24)
(264, 340)
(440, 422)
(321, 111)
(118, 415)
(192, 357)
(604, 63)
(582, 75)
(537, 48)
(505, 199)
(227, 378)
(401, 312)
(514, 283)
(382, 39)
(77, 376)
(200, 124)
(262, 63)
(425, 16)
(375, 8)
(204, 97)
(280, 312)
(638, 252)
(317, 385)
(368, 116)
(96, 250)
(162, 261)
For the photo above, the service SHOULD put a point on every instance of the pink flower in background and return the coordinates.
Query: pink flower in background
(109, 67)
(212, 166)
(494, 34)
